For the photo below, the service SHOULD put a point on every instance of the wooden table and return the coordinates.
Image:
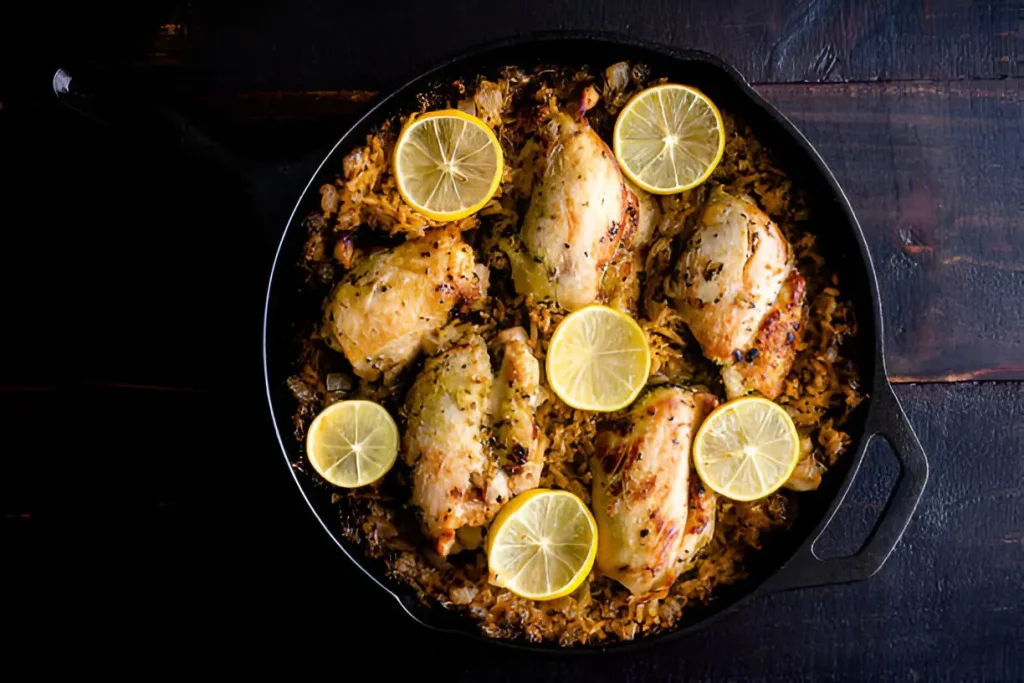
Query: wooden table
(138, 455)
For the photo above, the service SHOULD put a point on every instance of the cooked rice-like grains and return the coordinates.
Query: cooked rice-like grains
(362, 211)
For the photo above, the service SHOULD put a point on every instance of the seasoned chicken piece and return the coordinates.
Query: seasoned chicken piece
(378, 314)
(518, 442)
(444, 444)
(472, 439)
(649, 525)
(581, 211)
(741, 294)
(620, 287)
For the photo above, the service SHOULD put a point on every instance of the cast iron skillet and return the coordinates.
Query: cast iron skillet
(789, 563)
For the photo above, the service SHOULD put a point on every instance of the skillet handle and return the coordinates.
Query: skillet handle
(131, 107)
(886, 419)
(135, 108)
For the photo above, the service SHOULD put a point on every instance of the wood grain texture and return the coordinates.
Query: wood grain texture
(313, 45)
(946, 606)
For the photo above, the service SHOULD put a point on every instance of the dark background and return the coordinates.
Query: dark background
(148, 519)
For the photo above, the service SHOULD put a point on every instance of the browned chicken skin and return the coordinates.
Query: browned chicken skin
(379, 313)
(652, 518)
(700, 523)
(741, 295)
(776, 342)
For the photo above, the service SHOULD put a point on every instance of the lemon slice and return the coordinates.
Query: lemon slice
(598, 359)
(352, 443)
(669, 138)
(542, 544)
(447, 164)
(747, 448)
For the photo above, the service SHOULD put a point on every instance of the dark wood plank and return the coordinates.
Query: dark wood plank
(946, 607)
(176, 46)
(933, 172)
(314, 45)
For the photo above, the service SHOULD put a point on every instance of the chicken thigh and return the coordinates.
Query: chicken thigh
(471, 439)
(378, 314)
(444, 444)
(741, 295)
(581, 211)
(651, 521)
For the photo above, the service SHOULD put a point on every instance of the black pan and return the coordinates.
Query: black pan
(789, 564)
(793, 563)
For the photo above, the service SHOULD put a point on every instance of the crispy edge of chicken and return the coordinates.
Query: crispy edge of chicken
(700, 522)
(741, 294)
(444, 441)
(764, 366)
(379, 313)
(642, 492)
(580, 213)
(518, 443)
